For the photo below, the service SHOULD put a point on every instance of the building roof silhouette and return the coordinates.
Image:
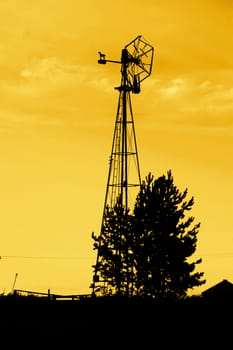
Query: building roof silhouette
(220, 291)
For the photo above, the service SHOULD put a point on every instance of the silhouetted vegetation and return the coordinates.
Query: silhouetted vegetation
(147, 253)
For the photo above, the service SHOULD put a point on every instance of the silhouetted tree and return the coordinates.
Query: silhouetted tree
(162, 240)
(113, 253)
(146, 253)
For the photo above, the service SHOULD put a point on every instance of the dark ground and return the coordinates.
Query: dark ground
(111, 323)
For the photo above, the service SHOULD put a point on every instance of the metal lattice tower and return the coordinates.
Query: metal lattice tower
(124, 171)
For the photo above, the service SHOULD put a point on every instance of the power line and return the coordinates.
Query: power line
(45, 257)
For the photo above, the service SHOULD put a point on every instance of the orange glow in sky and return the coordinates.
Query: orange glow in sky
(57, 116)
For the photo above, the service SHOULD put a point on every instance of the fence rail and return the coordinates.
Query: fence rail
(50, 296)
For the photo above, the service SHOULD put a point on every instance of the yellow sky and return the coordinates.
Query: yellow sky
(57, 114)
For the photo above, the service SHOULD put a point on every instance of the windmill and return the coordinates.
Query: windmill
(123, 180)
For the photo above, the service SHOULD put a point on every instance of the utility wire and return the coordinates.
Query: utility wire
(83, 257)
(45, 257)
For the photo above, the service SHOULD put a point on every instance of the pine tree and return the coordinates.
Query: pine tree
(113, 254)
(147, 253)
(163, 240)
